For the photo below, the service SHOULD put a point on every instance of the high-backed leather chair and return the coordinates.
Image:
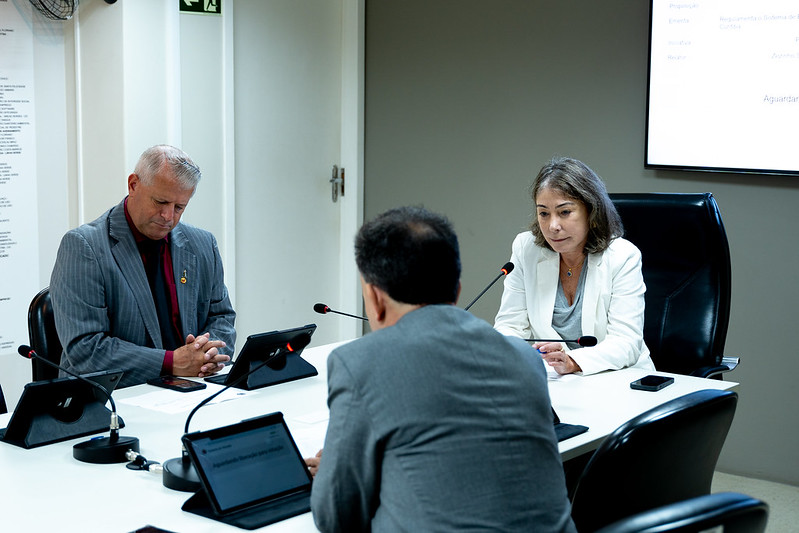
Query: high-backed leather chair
(686, 268)
(732, 512)
(43, 336)
(665, 455)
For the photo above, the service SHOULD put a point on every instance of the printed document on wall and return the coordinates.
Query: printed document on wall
(19, 251)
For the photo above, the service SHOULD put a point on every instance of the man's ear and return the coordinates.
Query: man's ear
(378, 301)
(133, 182)
(457, 294)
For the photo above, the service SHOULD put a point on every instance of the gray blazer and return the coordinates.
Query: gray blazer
(439, 423)
(104, 310)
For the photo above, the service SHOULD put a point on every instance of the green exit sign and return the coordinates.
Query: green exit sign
(213, 7)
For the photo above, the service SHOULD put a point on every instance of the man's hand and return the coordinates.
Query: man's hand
(199, 357)
(313, 463)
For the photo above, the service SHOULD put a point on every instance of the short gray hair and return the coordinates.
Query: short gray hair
(180, 165)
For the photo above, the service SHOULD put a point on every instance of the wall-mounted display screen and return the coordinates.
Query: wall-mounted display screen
(723, 90)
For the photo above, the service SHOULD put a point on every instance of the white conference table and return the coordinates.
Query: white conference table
(45, 489)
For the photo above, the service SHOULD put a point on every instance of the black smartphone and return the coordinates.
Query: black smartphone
(175, 383)
(651, 383)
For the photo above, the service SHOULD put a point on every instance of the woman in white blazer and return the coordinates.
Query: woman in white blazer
(574, 275)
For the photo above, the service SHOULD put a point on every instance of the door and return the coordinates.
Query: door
(293, 242)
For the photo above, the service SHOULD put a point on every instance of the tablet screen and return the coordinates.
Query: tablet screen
(248, 463)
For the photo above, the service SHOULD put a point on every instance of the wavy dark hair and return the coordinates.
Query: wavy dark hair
(575, 180)
(412, 254)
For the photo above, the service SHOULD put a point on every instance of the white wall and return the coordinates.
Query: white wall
(465, 101)
(119, 78)
(105, 91)
(52, 102)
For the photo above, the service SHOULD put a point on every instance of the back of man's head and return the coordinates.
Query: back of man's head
(412, 254)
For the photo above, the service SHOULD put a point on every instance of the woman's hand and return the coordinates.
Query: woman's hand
(554, 356)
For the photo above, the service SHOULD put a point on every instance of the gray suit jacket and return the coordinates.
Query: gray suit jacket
(439, 423)
(104, 310)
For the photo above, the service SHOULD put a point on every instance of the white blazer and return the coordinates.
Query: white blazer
(613, 303)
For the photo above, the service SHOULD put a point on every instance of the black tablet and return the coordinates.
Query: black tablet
(60, 409)
(252, 472)
(288, 366)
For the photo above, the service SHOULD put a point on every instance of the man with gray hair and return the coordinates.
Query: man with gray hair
(137, 290)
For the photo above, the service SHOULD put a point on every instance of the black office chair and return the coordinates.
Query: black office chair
(665, 455)
(732, 511)
(43, 336)
(686, 268)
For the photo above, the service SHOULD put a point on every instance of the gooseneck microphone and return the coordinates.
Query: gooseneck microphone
(585, 341)
(104, 450)
(322, 309)
(178, 472)
(506, 269)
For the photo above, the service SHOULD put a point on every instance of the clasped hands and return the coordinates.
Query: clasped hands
(199, 357)
(554, 356)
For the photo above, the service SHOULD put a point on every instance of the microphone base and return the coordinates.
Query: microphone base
(180, 474)
(103, 451)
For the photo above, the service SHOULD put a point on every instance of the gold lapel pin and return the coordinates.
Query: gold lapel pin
(183, 278)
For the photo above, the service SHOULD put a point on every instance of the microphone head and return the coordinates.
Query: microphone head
(507, 268)
(25, 351)
(322, 309)
(587, 341)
